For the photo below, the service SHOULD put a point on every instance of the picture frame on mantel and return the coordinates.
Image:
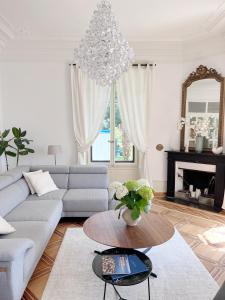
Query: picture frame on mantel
(203, 100)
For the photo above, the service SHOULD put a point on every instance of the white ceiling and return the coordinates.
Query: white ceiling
(140, 20)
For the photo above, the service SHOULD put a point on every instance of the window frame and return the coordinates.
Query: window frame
(112, 162)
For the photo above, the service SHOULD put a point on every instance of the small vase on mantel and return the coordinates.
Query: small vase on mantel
(199, 144)
(128, 218)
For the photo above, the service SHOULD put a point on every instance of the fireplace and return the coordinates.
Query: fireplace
(196, 179)
(195, 183)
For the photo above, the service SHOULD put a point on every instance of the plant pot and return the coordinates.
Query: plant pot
(128, 219)
(199, 144)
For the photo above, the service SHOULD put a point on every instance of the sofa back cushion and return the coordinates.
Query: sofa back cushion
(12, 176)
(88, 177)
(59, 174)
(13, 195)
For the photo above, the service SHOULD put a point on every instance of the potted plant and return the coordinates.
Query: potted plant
(134, 197)
(14, 146)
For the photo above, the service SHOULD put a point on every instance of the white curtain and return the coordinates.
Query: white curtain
(89, 103)
(134, 94)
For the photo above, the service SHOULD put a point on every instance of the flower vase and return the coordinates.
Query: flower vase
(199, 144)
(128, 218)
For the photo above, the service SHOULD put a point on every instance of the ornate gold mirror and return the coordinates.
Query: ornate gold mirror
(202, 109)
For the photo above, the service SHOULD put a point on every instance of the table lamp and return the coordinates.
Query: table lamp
(54, 150)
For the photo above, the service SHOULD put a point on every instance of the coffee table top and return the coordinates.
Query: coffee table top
(106, 229)
(129, 279)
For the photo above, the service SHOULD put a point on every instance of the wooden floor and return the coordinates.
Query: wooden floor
(204, 231)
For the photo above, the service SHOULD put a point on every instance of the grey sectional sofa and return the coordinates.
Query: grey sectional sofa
(83, 191)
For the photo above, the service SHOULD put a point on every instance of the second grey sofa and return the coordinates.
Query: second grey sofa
(83, 191)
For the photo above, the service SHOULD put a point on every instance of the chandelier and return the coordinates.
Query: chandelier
(103, 53)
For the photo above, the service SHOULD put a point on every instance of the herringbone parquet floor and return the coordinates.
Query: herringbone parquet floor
(194, 225)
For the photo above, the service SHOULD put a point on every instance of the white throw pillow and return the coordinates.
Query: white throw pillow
(5, 227)
(42, 183)
(27, 178)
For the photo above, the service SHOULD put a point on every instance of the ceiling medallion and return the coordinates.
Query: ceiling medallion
(104, 53)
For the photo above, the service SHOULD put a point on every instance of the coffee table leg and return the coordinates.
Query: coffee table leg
(148, 289)
(118, 294)
(153, 275)
(104, 291)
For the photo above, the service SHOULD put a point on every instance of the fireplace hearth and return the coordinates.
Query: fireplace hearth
(198, 187)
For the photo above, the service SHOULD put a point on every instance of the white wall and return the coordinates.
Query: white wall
(36, 98)
(1, 123)
(212, 61)
(164, 115)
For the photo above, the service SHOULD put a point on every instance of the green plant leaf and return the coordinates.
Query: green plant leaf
(26, 141)
(21, 146)
(3, 144)
(2, 150)
(10, 153)
(23, 133)
(135, 213)
(24, 152)
(29, 150)
(16, 132)
(5, 133)
(119, 206)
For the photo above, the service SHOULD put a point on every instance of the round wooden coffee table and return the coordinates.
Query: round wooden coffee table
(106, 229)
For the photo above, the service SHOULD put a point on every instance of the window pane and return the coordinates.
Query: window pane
(100, 150)
(124, 150)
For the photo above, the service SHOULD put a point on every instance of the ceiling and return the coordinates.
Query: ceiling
(140, 20)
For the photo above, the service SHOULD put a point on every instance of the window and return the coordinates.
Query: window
(112, 144)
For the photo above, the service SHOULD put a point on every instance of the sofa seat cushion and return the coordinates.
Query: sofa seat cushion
(86, 200)
(55, 195)
(36, 211)
(39, 233)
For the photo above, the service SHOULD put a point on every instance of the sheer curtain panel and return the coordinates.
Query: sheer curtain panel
(134, 94)
(89, 103)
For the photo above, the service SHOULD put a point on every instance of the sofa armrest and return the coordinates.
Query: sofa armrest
(12, 277)
(10, 249)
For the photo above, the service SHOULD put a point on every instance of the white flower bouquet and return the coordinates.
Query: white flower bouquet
(136, 195)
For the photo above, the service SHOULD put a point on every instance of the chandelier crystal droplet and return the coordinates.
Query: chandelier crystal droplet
(104, 53)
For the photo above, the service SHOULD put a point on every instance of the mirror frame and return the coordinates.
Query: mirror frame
(202, 72)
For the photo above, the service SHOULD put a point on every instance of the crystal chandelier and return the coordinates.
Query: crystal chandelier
(104, 53)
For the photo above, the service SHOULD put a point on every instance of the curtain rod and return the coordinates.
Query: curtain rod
(134, 65)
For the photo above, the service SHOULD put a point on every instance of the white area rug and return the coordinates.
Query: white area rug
(181, 276)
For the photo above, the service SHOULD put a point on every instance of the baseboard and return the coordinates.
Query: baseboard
(160, 194)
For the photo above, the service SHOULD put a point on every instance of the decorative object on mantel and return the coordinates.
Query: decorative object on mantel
(180, 125)
(199, 143)
(104, 53)
(19, 149)
(201, 129)
(218, 150)
(135, 196)
(54, 150)
(203, 105)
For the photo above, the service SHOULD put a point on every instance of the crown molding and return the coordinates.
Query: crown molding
(58, 50)
(164, 52)
(14, 47)
(6, 32)
(216, 18)
(203, 48)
